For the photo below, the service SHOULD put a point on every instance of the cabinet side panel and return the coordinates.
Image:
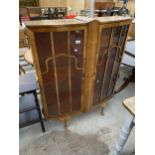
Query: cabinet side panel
(123, 35)
(110, 61)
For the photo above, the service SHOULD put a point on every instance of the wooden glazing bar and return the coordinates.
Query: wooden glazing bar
(110, 40)
(55, 72)
(83, 69)
(123, 48)
(117, 52)
(98, 48)
(69, 72)
(61, 55)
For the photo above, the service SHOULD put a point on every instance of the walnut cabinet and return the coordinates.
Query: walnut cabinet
(77, 61)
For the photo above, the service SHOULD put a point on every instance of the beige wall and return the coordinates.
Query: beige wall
(105, 0)
(77, 5)
(56, 3)
(87, 4)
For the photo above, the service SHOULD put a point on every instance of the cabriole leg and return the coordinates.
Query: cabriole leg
(103, 105)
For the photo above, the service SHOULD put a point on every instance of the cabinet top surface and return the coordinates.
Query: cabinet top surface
(113, 19)
(77, 21)
(58, 22)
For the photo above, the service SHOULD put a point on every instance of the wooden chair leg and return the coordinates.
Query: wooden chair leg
(39, 111)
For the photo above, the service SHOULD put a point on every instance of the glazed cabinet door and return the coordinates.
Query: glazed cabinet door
(77, 61)
(61, 60)
(110, 52)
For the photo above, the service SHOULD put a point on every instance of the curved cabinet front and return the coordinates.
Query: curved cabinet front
(77, 62)
(61, 59)
(110, 52)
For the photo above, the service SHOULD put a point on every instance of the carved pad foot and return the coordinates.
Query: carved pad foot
(103, 105)
(65, 119)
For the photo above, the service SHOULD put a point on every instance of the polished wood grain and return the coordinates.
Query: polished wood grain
(50, 23)
(90, 67)
(77, 62)
(58, 89)
(131, 34)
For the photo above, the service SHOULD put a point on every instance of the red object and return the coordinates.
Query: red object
(70, 16)
(25, 18)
